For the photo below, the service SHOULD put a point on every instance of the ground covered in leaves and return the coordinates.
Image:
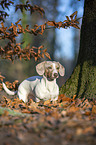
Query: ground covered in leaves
(65, 122)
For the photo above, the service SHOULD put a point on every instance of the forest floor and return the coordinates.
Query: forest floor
(64, 122)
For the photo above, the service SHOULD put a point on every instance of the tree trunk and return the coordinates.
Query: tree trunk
(82, 82)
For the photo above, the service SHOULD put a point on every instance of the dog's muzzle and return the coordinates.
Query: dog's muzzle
(56, 75)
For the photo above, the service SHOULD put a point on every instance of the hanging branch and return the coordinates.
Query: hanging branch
(13, 50)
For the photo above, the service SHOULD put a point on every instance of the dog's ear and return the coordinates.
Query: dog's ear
(61, 69)
(40, 68)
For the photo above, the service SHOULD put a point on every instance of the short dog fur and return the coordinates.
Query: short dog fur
(41, 88)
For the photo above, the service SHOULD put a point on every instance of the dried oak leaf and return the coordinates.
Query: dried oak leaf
(89, 130)
(73, 109)
(1, 77)
(94, 109)
(62, 98)
(74, 14)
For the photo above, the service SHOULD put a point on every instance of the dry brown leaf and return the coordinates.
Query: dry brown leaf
(94, 109)
(79, 131)
(64, 98)
(73, 109)
(26, 111)
(47, 102)
(89, 129)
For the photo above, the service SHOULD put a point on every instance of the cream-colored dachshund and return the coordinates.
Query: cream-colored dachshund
(41, 88)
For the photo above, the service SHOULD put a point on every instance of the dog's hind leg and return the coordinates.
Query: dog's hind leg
(22, 96)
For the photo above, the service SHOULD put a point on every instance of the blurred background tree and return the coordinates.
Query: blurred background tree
(63, 45)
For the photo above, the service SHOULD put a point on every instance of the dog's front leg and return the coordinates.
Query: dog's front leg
(54, 98)
(37, 99)
(55, 93)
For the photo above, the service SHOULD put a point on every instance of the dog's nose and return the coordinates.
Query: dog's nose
(55, 75)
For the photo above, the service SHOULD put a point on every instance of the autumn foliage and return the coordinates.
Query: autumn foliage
(67, 118)
(13, 50)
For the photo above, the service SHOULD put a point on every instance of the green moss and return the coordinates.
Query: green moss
(82, 83)
(12, 112)
(70, 87)
(88, 81)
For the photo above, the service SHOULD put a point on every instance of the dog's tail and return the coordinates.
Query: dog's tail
(7, 90)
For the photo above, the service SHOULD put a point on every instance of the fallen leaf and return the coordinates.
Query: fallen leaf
(94, 109)
(89, 129)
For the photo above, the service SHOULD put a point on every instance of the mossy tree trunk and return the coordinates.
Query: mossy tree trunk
(82, 82)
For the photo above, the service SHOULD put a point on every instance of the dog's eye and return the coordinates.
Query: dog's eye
(49, 67)
(57, 68)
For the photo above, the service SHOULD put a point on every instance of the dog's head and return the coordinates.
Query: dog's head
(50, 69)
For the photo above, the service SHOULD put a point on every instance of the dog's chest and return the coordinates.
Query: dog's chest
(49, 86)
(46, 90)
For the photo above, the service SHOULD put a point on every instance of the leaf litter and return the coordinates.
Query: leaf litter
(68, 121)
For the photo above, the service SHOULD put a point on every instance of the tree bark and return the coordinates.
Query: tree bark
(82, 82)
